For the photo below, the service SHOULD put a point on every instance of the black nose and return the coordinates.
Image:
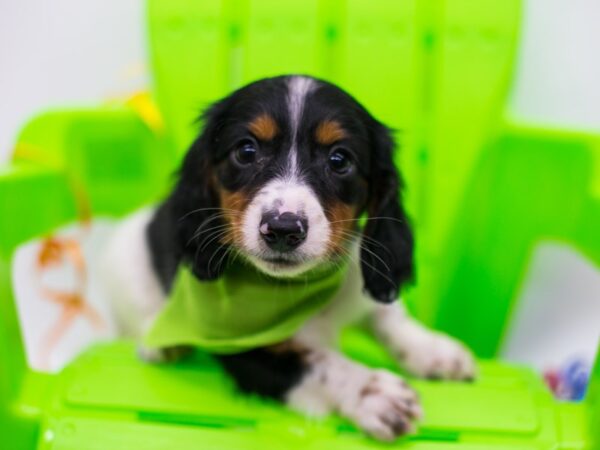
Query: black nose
(283, 232)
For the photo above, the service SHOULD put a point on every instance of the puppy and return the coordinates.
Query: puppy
(272, 193)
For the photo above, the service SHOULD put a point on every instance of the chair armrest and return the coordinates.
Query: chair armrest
(33, 200)
(113, 161)
(67, 165)
(522, 172)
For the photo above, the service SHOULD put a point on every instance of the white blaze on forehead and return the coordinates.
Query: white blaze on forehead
(288, 193)
(298, 88)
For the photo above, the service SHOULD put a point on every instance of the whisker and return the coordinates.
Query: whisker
(206, 209)
(214, 254)
(376, 256)
(379, 272)
(371, 266)
(202, 225)
(218, 227)
(369, 239)
(225, 253)
(236, 255)
(394, 219)
(198, 232)
(215, 236)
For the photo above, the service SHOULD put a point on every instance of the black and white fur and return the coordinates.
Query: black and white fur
(292, 173)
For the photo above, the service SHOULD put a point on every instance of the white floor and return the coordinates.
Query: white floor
(39, 316)
(557, 316)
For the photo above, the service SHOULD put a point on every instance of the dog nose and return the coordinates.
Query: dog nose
(283, 232)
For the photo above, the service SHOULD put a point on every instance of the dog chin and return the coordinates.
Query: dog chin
(280, 267)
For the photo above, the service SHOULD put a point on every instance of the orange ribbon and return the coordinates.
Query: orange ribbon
(53, 252)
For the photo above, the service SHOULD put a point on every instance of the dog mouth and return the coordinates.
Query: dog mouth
(279, 265)
(280, 261)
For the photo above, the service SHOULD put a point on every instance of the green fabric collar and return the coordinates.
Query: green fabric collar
(243, 309)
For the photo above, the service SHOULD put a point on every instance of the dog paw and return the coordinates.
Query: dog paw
(385, 407)
(437, 356)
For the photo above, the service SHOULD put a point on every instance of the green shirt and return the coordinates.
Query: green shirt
(243, 309)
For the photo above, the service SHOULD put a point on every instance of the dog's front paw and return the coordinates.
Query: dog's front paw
(435, 355)
(385, 407)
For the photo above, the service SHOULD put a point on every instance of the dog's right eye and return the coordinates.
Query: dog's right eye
(245, 152)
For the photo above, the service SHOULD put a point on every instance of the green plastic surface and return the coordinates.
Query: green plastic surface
(479, 191)
(197, 396)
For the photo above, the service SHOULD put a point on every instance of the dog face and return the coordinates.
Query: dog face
(280, 175)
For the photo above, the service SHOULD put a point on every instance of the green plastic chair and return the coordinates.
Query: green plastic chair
(479, 186)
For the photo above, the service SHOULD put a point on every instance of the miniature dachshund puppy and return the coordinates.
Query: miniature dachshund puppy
(284, 169)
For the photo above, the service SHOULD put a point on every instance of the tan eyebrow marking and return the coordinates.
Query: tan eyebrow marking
(263, 127)
(329, 131)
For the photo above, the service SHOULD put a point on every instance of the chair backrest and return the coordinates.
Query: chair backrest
(436, 71)
(202, 50)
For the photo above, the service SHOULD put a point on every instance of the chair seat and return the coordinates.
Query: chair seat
(108, 399)
(100, 434)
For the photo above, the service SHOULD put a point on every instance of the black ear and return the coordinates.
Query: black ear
(187, 226)
(387, 246)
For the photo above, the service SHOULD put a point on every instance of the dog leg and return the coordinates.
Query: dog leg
(377, 401)
(320, 381)
(421, 351)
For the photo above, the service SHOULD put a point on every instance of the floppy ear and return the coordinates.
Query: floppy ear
(387, 246)
(186, 227)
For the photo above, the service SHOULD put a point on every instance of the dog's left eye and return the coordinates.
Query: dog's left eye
(245, 152)
(339, 161)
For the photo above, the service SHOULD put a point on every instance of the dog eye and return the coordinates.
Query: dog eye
(245, 153)
(339, 161)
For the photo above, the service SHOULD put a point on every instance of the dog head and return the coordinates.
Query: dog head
(280, 175)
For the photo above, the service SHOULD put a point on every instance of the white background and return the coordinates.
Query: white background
(65, 52)
(74, 52)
